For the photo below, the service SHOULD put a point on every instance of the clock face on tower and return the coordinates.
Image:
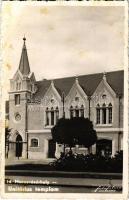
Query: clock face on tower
(17, 117)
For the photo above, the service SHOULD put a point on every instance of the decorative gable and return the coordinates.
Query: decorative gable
(103, 94)
(16, 82)
(51, 97)
(76, 96)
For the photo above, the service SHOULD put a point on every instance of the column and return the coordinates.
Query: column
(114, 145)
(100, 116)
(24, 150)
(49, 116)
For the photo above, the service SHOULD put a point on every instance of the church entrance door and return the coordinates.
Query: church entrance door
(51, 149)
(19, 146)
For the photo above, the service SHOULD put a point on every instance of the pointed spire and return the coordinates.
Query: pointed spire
(52, 83)
(104, 76)
(76, 79)
(24, 66)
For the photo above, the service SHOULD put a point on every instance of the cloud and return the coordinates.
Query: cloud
(67, 40)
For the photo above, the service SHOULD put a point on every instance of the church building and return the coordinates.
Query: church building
(35, 107)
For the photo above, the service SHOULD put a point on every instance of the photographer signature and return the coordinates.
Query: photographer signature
(107, 188)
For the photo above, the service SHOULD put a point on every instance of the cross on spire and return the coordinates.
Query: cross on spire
(24, 39)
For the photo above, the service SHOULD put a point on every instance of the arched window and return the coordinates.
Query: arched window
(110, 113)
(71, 111)
(18, 85)
(47, 116)
(98, 114)
(52, 116)
(19, 146)
(57, 113)
(76, 111)
(104, 114)
(34, 142)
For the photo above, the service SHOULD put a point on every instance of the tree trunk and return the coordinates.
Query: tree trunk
(64, 149)
(70, 149)
(89, 150)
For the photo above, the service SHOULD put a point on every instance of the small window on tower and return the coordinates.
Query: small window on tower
(17, 99)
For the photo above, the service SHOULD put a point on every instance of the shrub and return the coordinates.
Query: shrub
(89, 163)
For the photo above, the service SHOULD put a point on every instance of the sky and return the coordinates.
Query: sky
(63, 40)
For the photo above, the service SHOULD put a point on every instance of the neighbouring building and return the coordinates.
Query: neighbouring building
(35, 107)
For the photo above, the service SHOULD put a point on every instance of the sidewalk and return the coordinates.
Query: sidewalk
(28, 161)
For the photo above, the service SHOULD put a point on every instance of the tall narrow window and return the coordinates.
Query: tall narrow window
(76, 112)
(98, 114)
(82, 111)
(57, 114)
(71, 111)
(104, 114)
(52, 116)
(18, 85)
(47, 117)
(17, 99)
(110, 113)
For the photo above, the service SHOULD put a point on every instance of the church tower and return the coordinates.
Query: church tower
(22, 86)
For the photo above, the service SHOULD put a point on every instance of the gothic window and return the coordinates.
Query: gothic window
(110, 113)
(47, 117)
(82, 111)
(34, 142)
(77, 111)
(57, 113)
(71, 111)
(18, 85)
(52, 116)
(98, 114)
(17, 99)
(104, 116)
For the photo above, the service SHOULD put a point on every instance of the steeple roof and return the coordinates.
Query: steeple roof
(24, 66)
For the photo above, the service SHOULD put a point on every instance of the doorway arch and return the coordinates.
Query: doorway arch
(19, 146)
